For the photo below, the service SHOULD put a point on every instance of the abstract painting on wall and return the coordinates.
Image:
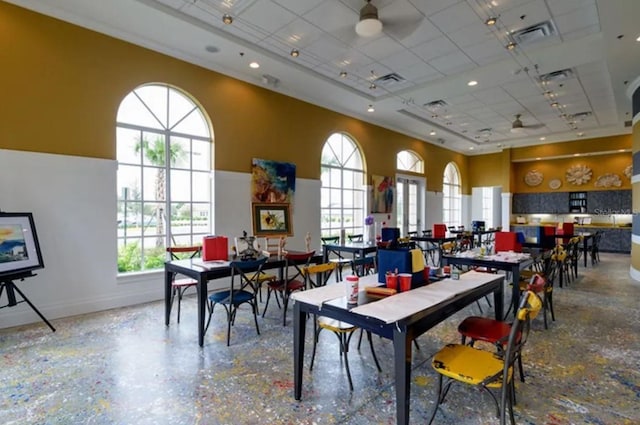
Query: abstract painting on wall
(272, 181)
(382, 194)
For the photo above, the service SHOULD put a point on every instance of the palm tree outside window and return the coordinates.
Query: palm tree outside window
(343, 194)
(452, 196)
(164, 148)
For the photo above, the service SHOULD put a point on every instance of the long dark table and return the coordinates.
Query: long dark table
(510, 266)
(401, 332)
(356, 249)
(202, 274)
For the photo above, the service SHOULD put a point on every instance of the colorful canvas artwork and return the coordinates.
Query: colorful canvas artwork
(272, 181)
(382, 194)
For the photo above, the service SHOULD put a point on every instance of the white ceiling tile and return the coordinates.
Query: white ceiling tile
(425, 31)
(455, 17)
(487, 53)
(472, 34)
(331, 15)
(534, 12)
(327, 48)
(430, 7)
(441, 46)
(267, 15)
(564, 6)
(299, 7)
(420, 72)
(382, 48)
(453, 63)
(401, 59)
(299, 33)
(577, 19)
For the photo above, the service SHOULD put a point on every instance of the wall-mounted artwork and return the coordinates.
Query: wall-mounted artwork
(272, 181)
(382, 196)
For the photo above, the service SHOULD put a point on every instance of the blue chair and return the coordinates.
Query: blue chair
(243, 290)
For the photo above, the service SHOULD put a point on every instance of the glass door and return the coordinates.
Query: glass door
(409, 205)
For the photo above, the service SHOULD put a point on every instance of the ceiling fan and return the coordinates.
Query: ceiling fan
(370, 24)
(518, 127)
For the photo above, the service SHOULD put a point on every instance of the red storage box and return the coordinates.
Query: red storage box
(215, 248)
(439, 230)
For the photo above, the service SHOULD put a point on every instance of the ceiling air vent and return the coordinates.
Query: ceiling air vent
(436, 105)
(389, 79)
(556, 76)
(628, 123)
(534, 33)
(581, 116)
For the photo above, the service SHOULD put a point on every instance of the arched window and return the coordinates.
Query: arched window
(164, 175)
(409, 161)
(452, 198)
(343, 195)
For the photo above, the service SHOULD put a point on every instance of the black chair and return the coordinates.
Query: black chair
(180, 285)
(295, 263)
(243, 289)
(339, 260)
(355, 238)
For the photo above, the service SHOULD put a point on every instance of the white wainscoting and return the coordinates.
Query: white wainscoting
(73, 200)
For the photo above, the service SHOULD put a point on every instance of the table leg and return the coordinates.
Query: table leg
(585, 245)
(515, 291)
(402, 355)
(168, 277)
(498, 302)
(202, 301)
(299, 325)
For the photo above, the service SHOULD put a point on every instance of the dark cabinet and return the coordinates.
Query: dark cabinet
(540, 203)
(606, 202)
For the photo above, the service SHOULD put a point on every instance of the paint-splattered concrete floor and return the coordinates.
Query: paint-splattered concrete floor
(125, 367)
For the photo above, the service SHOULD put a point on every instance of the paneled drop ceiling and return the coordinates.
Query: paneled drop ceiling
(565, 79)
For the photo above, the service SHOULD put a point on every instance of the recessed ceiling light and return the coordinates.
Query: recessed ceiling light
(295, 53)
(470, 148)
(227, 19)
(432, 133)
(511, 45)
(555, 104)
(373, 87)
(254, 65)
(491, 21)
(542, 139)
(371, 108)
(472, 83)
(580, 134)
(638, 38)
(343, 74)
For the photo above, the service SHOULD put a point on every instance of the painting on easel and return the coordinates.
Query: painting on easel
(19, 247)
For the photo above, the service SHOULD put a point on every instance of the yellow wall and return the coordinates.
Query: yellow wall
(490, 170)
(556, 169)
(582, 146)
(62, 86)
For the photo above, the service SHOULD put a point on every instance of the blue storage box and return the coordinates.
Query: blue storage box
(390, 233)
(390, 260)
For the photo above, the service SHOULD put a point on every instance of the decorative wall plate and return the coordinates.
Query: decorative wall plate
(608, 180)
(578, 174)
(555, 184)
(628, 171)
(533, 178)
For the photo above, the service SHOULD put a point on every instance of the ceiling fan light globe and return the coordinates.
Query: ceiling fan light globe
(517, 130)
(368, 27)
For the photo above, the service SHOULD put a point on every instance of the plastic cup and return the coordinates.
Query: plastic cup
(392, 281)
(405, 281)
(446, 269)
(425, 274)
(352, 289)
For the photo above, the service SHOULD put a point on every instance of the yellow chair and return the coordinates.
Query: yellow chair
(484, 369)
(342, 330)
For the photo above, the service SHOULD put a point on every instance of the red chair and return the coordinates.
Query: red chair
(439, 230)
(507, 241)
(294, 280)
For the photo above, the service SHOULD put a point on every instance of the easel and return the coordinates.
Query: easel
(6, 283)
